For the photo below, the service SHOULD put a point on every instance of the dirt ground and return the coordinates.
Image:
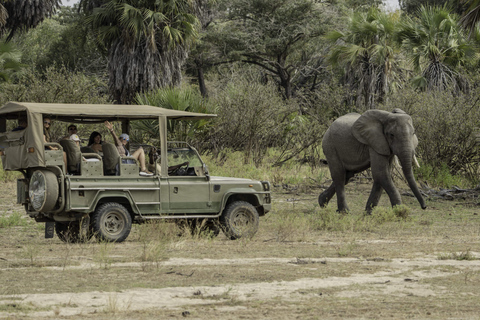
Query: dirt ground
(427, 267)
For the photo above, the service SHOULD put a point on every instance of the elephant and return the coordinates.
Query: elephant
(354, 143)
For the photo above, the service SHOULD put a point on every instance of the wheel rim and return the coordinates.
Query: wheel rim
(113, 223)
(242, 220)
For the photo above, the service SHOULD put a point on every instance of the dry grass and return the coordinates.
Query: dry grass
(304, 262)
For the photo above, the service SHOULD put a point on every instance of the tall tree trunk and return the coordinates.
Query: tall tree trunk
(201, 78)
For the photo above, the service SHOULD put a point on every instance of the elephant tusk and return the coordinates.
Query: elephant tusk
(416, 161)
(397, 163)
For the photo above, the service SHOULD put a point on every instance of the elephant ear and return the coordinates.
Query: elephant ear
(368, 129)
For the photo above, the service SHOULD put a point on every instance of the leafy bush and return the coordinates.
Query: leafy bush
(253, 117)
(54, 86)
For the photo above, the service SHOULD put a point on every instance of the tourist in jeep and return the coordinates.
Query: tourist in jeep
(22, 124)
(47, 123)
(71, 130)
(121, 143)
(95, 142)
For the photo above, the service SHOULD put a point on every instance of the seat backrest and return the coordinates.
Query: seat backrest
(111, 159)
(74, 156)
(87, 150)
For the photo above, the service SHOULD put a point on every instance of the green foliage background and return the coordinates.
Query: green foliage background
(276, 82)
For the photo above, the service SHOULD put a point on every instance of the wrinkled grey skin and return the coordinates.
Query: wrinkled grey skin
(355, 142)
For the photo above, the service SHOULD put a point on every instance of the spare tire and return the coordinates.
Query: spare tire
(43, 190)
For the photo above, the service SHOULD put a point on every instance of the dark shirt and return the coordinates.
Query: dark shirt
(19, 128)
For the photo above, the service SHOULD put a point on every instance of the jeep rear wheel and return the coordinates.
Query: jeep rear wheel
(239, 220)
(111, 222)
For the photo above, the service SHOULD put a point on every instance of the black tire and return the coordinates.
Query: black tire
(239, 220)
(111, 222)
(69, 232)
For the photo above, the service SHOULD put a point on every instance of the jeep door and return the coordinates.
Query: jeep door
(189, 191)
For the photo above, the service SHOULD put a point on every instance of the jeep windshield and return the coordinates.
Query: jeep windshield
(178, 156)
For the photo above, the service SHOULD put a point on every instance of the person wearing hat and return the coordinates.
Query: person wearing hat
(121, 143)
(71, 130)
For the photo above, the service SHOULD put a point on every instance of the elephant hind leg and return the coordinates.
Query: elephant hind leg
(326, 195)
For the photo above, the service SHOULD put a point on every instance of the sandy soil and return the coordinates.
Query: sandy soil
(390, 274)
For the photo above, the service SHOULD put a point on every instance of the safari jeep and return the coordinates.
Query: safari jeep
(99, 196)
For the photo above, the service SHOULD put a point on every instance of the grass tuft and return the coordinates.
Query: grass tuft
(462, 256)
(13, 220)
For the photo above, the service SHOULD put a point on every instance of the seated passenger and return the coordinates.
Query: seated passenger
(95, 142)
(77, 141)
(47, 122)
(121, 143)
(71, 130)
(46, 132)
(22, 124)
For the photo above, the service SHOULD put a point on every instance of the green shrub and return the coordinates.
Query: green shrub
(253, 116)
(55, 85)
(9, 175)
(440, 177)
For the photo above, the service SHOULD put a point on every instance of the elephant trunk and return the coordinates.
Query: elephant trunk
(406, 163)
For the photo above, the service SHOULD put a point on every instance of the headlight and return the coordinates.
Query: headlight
(43, 190)
(266, 185)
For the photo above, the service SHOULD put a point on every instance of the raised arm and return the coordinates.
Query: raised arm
(109, 126)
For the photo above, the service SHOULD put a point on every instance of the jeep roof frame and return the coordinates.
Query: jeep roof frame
(89, 114)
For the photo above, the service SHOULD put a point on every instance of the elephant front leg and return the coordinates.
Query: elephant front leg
(382, 175)
(374, 197)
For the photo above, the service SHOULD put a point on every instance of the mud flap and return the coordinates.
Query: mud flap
(85, 227)
(49, 229)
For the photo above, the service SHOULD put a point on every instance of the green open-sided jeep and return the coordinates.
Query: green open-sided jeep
(101, 196)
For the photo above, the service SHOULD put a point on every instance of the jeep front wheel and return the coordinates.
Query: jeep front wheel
(111, 222)
(239, 220)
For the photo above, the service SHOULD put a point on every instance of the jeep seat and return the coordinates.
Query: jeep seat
(87, 150)
(74, 156)
(111, 159)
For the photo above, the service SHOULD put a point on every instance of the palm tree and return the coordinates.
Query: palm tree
(18, 14)
(9, 61)
(184, 98)
(436, 46)
(471, 17)
(147, 42)
(3, 16)
(367, 53)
